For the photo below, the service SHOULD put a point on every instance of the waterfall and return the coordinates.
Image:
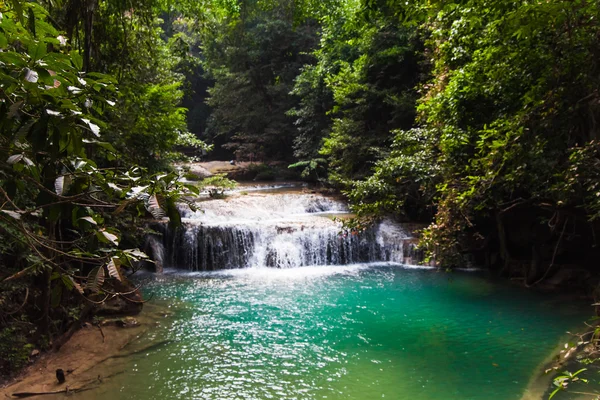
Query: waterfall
(156, 250)
(278, 230)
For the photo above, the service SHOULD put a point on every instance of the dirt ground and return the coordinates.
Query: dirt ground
(80, 358)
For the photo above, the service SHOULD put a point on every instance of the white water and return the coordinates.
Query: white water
(278, 230)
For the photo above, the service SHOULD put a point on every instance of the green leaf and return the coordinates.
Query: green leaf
(173, 213)
(136, 254)
(18, 9)
(76, 59)
(38, 50)
(31, 21)
(12, 58)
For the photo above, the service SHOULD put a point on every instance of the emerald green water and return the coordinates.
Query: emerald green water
(356, 332)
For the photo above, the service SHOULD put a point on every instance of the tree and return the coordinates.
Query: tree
(66, 223)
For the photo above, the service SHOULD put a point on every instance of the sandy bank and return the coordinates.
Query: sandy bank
(83, 358)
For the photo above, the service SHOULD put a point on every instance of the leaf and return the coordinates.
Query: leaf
(154, 207)
(89, 219)
(31, 20)
(106, 146)
(13, 58)
(53, 113)
(173, 213)
(114, 269)
(18, 9)
(136, 254)
(112, 238)
(114, 187)
(76, 285)
(15, 159)
(13, 214)
(193, 188)
(93, 127)
(31, 75)
(13, 110)
(76, 59)
(95, 279)
(59, 185)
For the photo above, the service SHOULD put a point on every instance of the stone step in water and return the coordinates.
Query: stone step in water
(280, 231)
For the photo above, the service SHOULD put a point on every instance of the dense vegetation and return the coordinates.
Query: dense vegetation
(479, 118)
(87, 115)
(476, 117)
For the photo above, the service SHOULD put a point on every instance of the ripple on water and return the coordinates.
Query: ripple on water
(352, 332)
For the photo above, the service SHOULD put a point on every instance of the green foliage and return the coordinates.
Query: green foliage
(254, 62)
(68, 208)
(360, 91)
(216, 185)
(126, 41)
(506, 121)
(313, 169)
(262, 172)
(14, 350)
(562, 381)
(402, 183)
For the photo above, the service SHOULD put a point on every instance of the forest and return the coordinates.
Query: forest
(477, 119)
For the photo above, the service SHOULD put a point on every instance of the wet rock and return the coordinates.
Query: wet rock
(127, 322)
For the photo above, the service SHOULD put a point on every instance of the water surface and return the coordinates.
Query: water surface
(354, 332)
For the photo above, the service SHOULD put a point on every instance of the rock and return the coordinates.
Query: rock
(589, 348)
(60, 375)
(35, 353)
(127, 322)
(130, 303)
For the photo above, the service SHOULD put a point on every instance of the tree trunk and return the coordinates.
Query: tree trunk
(504, 254)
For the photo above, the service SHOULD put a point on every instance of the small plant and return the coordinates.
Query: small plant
(312, 169)
(562, 382)
(216, 185)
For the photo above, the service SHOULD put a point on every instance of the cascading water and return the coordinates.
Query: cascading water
(278, 230)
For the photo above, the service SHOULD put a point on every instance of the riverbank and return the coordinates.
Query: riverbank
(85, 357)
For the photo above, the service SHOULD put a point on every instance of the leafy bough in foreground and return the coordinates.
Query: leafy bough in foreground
(68, 205)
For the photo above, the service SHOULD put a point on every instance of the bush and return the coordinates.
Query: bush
(263, 172)
(216, 185)
(14, 351)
